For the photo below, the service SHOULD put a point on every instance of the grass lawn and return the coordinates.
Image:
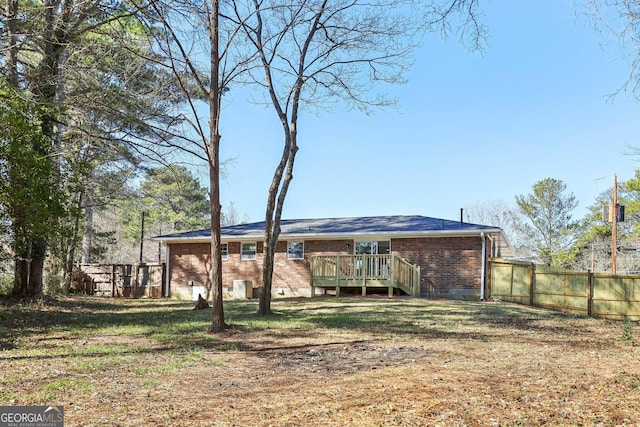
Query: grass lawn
(319, 362)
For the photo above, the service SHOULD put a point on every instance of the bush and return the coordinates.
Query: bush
(6, 284)
(54, 286)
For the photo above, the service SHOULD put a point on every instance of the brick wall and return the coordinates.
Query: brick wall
(190, 262)
(450, 267)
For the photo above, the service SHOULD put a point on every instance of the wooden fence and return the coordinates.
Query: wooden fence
(120, 280)
(598, 295)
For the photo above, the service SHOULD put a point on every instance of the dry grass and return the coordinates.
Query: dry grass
(320, 362)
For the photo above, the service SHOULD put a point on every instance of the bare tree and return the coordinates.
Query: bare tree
(232, 217)
(458, 17)
(315, 53)
(498, 213)
(203, 69)
(620, 18)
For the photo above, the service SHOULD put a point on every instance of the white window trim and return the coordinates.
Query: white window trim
(225, 256)
(247, 257)
(288, 253)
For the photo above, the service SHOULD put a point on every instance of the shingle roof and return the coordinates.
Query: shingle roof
(358, 225)
(399, 225)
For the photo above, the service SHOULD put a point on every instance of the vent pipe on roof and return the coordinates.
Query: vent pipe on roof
(461, 215)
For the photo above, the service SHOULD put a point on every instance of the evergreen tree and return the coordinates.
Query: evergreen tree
(31, 204)
(551, 230)
(172, 200)
(95, 62)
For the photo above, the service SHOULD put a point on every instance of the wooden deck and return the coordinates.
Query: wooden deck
(364, 271)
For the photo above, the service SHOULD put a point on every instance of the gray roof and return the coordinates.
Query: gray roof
(341, 228)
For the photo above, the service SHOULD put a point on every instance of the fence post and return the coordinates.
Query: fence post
(532, 279)
(392, 270)
(134, 290)
(589, 293)
(511, 282)
(488, 289)
(113, 280)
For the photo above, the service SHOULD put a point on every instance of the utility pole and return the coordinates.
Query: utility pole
(614, 223)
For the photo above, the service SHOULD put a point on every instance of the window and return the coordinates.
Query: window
(375, 247)
(295, 250)
(224, 250)
(248, 251)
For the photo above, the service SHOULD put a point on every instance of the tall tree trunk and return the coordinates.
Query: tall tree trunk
(67, 270)
(87, 239)
(264, 306)
(20, 277)
(21, 267)
(46, 86)
(284, 172)
(272, 229)
(275, 204)
(217, 323)
(36, 268)
(11, 14)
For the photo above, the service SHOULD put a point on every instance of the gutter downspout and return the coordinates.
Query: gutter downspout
(483, 269)
(166, 272)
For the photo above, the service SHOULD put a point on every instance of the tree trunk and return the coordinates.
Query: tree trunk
(21, 268)
(279, 186)
(275, 205)
(67, 270)
(45, 91)
(12, 39)
(87, 239)
(271, 231)
(217, 323)
(36, 269)
(21, 277)
(264, 307)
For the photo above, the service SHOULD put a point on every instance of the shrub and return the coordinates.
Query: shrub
(6, 284)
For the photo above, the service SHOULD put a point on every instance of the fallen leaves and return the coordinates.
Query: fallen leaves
(525, 369)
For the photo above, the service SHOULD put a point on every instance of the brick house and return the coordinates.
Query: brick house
(415, 255)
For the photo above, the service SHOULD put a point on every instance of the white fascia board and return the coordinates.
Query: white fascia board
(171, 240)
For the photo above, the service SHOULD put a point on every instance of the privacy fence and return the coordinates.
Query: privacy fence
(598, 295)
(119, 280)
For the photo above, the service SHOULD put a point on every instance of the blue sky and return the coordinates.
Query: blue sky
(469, 128)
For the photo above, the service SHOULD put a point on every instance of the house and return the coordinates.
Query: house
(414, 255)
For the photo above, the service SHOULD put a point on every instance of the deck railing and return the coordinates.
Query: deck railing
(407, 276)
(365, 270)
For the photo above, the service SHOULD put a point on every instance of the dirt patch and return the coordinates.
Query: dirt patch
(456, 364)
